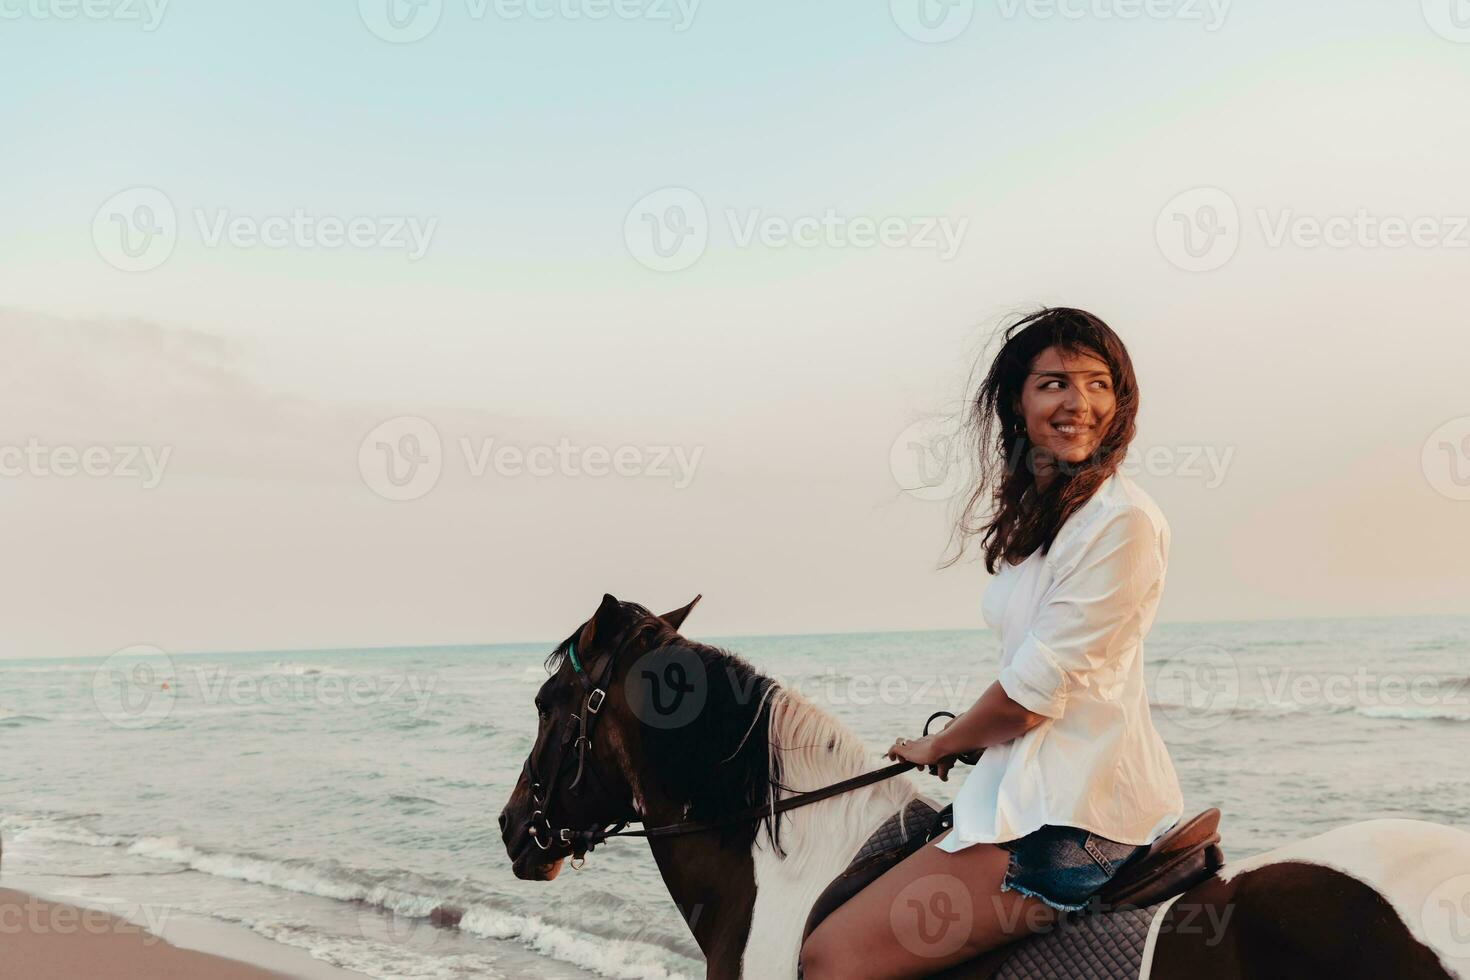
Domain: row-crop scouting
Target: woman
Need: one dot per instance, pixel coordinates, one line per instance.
(1074, 779)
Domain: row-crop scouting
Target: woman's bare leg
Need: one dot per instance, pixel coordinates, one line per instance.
(932, 910)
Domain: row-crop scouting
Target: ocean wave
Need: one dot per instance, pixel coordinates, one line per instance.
(615, 958)
(56, 669)
(301, 670)
(621, 958)
(15, 719)
(23, 830)
(476, 728)
(376, 959)
(1413, 713)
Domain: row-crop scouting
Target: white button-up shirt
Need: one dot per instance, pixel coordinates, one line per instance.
(1072, 624)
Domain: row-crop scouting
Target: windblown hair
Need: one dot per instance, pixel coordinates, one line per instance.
(1019, 518)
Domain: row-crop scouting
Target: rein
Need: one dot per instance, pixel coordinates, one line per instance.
(580, 740)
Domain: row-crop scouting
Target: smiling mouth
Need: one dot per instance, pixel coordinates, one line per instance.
(1073, 430)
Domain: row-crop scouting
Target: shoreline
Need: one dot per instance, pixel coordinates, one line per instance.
(45, 937)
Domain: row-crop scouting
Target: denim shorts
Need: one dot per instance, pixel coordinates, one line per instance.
(1064, 866)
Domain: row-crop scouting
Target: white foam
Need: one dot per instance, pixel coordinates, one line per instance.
(610, 957)
(1413, 713)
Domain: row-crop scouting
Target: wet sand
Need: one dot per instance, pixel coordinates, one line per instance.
(48, 940)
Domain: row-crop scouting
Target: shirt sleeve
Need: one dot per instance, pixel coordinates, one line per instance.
(1086, 612)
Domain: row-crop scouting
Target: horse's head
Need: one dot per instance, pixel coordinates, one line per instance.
(577, 777)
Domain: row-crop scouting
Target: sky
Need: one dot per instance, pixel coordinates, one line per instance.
(331, 325)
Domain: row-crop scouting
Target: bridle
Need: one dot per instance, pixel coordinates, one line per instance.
(578, 736)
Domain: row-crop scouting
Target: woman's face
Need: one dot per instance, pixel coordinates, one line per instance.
(1067, 402)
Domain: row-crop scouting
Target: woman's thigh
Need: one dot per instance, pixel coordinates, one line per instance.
(932, 910)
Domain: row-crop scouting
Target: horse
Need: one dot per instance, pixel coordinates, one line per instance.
(637, 723)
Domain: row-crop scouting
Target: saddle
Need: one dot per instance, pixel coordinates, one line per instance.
(1182, 858)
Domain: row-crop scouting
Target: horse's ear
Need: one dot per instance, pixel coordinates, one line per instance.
(603, 623)
(676, 618)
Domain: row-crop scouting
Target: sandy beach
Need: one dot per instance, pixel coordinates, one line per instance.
(48, 940)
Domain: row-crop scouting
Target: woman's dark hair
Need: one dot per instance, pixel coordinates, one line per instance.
(1023, 519)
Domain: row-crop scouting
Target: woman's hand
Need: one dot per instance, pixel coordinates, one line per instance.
(923, 752)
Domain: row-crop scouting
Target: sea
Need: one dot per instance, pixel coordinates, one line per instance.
(340, 801)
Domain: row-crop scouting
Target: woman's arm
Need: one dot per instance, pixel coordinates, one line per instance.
(993, 719)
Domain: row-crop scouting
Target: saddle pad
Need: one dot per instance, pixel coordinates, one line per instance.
(1086, 947)
(916, 819)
